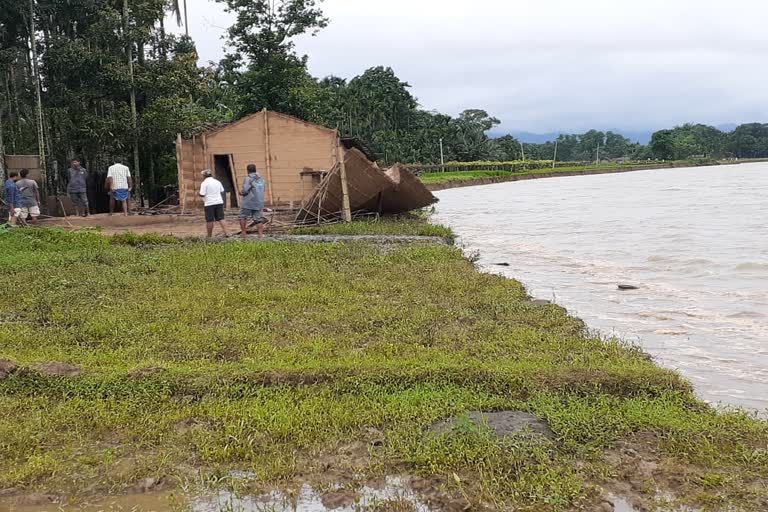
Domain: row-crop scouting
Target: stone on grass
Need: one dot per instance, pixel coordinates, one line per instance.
(501, 424)
(55, 369)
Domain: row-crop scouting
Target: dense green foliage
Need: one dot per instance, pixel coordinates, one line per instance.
(85, 84)
(280, 358)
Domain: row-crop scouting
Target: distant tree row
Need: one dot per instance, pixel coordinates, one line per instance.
(693, 140)
(100, 79)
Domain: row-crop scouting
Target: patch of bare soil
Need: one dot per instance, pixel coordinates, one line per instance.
(145, 373)
(646, 478)
(7, 368)
(182, 226)
(502, 423)
(56, 369)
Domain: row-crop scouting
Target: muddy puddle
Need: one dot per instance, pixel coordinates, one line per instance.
(621, 504)
(394, 494)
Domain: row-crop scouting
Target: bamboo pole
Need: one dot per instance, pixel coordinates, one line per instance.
(180, 172)
(346, 210)
(38, 95)
(268, 154)
(236, 192)
(134, 123)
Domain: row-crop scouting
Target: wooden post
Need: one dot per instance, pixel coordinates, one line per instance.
(206, 161)
(194, 170)
(234, 178)
(268, 153)
(347, 211)
(180, 172)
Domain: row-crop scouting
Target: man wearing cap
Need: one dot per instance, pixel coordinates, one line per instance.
(211, 190)
(253, 201)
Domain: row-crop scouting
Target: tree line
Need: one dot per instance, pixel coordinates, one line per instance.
(102, 79)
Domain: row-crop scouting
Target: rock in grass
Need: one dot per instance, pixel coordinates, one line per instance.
(7, 368)
(627, 287)
(501, 424)
(146, 485)
(55, 369)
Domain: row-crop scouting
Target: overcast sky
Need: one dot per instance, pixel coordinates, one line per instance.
(548, 65)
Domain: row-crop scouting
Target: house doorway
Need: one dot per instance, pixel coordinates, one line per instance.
(224, 172)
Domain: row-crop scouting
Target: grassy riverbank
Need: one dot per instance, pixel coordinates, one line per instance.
(329, 363)
(481, 176)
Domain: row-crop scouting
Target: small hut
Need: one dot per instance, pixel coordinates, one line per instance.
(297, 160)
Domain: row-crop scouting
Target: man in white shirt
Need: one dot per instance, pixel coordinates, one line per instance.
(119, 186)
(211, 190)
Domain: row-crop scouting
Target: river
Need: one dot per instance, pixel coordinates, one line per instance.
(695, 242)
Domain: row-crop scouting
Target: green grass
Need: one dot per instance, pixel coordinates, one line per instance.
(277, 357)
(447, 177)
(414, 225)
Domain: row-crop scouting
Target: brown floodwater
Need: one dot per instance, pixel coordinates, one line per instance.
(694, 241)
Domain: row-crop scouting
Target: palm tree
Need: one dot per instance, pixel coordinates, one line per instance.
(176, 9)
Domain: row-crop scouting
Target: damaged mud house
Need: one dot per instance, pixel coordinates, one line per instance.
(305, 166)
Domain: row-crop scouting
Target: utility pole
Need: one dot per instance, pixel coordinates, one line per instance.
(522, 150)
(598, 155)
(554, 160)
(442, 156)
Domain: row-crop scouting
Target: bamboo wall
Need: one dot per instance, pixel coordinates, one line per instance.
(281, 147)
(191, 160)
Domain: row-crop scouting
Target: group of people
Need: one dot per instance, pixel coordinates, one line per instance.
(22, 194)
(22, 197)
(251, 204)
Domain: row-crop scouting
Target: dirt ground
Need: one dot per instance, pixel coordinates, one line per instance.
(188, 225)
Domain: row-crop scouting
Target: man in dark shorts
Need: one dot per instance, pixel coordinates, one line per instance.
(78, 188)
(211, 190)
(252, 203)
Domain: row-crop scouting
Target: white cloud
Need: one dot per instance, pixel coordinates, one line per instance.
(544, 65)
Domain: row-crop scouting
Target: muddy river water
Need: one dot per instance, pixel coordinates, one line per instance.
(695, 242)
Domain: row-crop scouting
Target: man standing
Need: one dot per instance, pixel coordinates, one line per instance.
(253, 201)
(78, 188)
(30, 197)
(119, 186)
(12, 196)
(211, 191)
